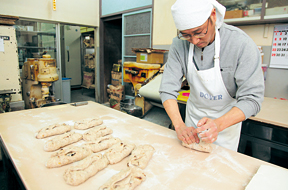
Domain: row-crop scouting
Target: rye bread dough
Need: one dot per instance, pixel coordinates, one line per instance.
(141, 155)
(118, 152)
(126, 179)
(61, 141)
(67, 155)
(95, 133)
(85, 169)
(102, 143)
(51, 130)
(88, 123)
(202, 146)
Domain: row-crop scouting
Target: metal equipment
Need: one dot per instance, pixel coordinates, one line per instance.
(10, 89)
(38, 77)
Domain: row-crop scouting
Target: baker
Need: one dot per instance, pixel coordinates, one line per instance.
(223, 67)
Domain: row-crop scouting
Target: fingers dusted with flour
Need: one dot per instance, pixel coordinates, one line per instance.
(207, 129)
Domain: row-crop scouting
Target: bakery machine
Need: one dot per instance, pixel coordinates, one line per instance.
(139, 73)
(10, 82)
(38, 77)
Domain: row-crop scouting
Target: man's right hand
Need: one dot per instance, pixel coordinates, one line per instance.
(186, 134)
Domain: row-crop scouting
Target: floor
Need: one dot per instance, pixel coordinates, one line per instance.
(155, 115)
(82, 94)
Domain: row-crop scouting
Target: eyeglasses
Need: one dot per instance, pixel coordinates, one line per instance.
(189, 36)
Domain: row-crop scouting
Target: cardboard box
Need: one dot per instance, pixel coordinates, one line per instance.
(233, 14)
(248, 13)
(149, 55)
(149, 58)
(276, 11)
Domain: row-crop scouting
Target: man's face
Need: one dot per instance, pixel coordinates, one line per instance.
(208, 27)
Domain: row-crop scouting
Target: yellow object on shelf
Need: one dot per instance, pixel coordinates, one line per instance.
(138, 72)
(183, 95)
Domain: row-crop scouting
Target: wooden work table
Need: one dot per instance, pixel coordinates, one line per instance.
(171, 167)
(273, 111)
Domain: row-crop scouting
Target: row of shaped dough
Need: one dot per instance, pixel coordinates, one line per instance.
(72, 137)
(57, 129)
(92, 163)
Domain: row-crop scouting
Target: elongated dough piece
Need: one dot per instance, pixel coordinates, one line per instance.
(88, 123)
(126, 179)
(202, 146)
(141, 155)
(61, 141)
(102, 143)
(95, 133)
(118, 152)
(67, 155)
(85, 169)
(51, 130)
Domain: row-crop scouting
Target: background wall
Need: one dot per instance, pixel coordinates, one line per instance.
(84, 12)
(164, 30)
(276, 84)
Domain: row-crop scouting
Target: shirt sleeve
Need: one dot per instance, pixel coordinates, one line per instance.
(173, 73)
(249, 79)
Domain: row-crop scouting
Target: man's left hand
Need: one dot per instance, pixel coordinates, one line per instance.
(207, 129)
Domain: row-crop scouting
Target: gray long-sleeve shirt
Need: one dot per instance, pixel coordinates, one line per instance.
(240, 64)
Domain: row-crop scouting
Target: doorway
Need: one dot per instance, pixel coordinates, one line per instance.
(111, 44)
(78, 61)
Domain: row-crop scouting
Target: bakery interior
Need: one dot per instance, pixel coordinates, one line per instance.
(66, 61)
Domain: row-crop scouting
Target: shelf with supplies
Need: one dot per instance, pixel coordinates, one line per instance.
(88, 58)
(34, 39)
(240, 12)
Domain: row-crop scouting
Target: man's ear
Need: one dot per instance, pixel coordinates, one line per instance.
(213, 15)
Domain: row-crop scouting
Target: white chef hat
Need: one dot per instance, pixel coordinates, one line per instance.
(189, 14)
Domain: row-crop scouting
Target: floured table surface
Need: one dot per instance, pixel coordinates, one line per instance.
(172, 166)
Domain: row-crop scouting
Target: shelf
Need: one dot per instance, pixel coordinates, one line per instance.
(36, 32)
(257, 18)
(285, 16)
(276, 12)
(34, 47)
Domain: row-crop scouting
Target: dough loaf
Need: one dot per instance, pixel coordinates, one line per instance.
(118, 152)
(126, 179)
(67, 155)
(62, 140)
(88, 123)
(85, 169)
(51, 130)
(141, 156)
(95, 133)
(102, 143)
(202, 146)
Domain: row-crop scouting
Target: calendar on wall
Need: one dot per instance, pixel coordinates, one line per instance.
(279, 53)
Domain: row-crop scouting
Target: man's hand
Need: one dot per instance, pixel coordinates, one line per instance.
(186, 134)
(207, 129)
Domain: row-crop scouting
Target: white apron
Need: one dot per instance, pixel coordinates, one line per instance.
(210, 98)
